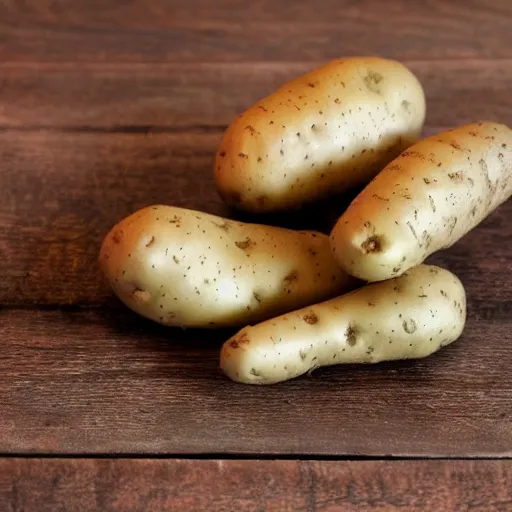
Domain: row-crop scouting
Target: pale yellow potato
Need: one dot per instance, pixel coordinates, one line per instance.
(187, 268)
(408, 317)
(321, 133)
(425, 200)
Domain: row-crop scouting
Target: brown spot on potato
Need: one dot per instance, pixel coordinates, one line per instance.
(238, 340)
(311, 84)
(291, 277)
(262, 108)
(150, 241)
(406, 105)
(456, 176)
(371, 245)
(372, 81)
(222, 154)
(310, 318)
(117, 237)
(244, 244)
(250, 129)
(175, 220)
(243, 155)
(351, 336)
(256, 296)
(409, 326)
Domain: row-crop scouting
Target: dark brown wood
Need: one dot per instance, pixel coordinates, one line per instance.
(204, 31)
(109, 106)
(104, 381)
(178, 96)
(61, 192)
(254, 486)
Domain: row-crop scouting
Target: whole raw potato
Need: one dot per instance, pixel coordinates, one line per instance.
(408, 317)
(325, 132)
(187, 268)
(425, 200)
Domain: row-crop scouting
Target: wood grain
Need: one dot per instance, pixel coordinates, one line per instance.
(180, 96)
(126, 485)
(104, 381)
(204, 31)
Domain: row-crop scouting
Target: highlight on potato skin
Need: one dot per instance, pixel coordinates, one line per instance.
(425, 200)
(407, 317)
(186, 268)
(322, 133)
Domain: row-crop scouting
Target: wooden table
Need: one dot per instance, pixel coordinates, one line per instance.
(110, 105)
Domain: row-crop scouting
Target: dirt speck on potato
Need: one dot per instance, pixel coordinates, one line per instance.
(238, 340)
(291, 277)
(244, 244)
(351, 336)
(372, 81)
(310, 318)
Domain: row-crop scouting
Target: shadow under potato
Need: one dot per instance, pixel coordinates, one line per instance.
(318, 216)
(193, 355)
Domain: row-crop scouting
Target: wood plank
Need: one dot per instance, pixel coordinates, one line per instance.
(104, 381)
(61, 192)
(173, 96)
(253, 486)
(200, 30)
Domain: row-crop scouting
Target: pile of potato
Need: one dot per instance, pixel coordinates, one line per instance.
(352, 122)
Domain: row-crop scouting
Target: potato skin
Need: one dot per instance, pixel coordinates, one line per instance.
(408, 317)
(321, 133)
(187, 268)
(425, 200)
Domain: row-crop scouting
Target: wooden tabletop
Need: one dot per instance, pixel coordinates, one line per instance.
(108, 106)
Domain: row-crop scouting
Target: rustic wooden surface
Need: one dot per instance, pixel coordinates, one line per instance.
(87, 485)
(108, 106)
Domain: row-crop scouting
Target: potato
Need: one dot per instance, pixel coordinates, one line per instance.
(408, 317)
(425, 200)
(325, 132)
(187, 268)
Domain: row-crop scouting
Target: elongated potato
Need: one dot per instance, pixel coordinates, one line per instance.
(408, 317)
(322, 133)
(425, 200)
(188, 268)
